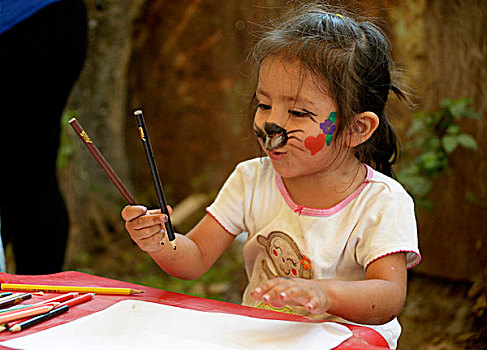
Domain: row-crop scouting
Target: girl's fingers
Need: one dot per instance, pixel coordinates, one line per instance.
(153, 211)
(152, 242)
(146, 221)
(147, 232)
(280, 292)
(131, 212)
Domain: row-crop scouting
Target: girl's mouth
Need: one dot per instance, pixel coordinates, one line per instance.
(276, 155)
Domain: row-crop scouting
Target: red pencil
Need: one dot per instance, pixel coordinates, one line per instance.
(58, 299)
(76, 301)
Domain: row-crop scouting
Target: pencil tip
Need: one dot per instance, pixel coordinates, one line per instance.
(15, 328)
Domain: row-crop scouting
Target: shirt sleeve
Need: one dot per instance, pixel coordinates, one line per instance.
(388, 226)
(228, 207)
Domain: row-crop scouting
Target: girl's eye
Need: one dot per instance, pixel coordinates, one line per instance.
(299, 114)
(305, 114)
(264, 107)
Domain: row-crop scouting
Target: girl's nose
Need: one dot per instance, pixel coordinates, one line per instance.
(277, 116)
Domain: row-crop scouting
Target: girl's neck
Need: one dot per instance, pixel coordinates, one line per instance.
(327, 189)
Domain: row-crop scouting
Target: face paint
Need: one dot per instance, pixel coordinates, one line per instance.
(329, 127)
(315, 144)
(275, 136)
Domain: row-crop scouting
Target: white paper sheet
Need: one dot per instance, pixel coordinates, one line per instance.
(132, 324)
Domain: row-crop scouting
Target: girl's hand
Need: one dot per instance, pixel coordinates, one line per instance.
(295, 291)
(146, 227)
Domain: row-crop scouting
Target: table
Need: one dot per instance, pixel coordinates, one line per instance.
(363, 338)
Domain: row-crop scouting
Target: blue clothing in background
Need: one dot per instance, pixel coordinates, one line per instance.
(42, 50)
(15, 11)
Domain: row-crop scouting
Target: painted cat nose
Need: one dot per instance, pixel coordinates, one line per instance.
(276, 136)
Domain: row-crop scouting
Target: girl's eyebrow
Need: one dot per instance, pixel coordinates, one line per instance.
(295, 99)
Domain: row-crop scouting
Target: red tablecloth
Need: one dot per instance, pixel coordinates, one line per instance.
(363, 338)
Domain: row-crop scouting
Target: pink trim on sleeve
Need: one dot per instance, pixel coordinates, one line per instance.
(410, 262)
(219, 223)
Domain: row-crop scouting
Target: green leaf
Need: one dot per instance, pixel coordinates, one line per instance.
(456, 107)
(449, 143)
(467, 141)
(453, 130)
(417, 127)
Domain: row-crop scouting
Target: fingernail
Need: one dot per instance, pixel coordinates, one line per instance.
(257, 290)
(282, 295)
(309, 306)
(266, 298)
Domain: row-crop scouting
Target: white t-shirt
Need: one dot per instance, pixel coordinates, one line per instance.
(289, 240)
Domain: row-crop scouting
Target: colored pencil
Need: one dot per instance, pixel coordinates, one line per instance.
(38, 319)
(144, 136)
(64, 289)
(72, 302)
(13, 301)
(59, 298)
(24, 308)
(27, 312)
(78, 300)
(5, 294)
(102, 161)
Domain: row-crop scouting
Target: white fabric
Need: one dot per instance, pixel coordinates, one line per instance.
(288, 240)
(142, 325)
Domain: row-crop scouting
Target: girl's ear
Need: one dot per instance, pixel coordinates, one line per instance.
(364, 126)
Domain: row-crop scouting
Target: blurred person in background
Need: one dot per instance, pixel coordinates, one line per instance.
(42, 51)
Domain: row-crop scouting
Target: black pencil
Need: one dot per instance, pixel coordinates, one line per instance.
(5, 294)
(15, 300)
(38, 319)
(144, 136)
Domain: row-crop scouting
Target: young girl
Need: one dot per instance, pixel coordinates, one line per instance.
(329, 237)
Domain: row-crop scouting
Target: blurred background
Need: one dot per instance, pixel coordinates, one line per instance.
(184, 63)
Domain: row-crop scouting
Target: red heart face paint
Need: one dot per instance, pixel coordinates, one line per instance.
(315, 144)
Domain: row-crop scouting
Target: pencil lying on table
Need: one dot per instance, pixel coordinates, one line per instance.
(102, 161)
(22, 324)
(27, 312)
(38, 319)
(144, 136)
(64, 289)
(15, 300)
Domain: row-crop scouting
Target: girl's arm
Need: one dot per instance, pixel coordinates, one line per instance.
(195, 252)
(376, 300)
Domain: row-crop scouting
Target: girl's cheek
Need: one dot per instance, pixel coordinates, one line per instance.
(324, 136)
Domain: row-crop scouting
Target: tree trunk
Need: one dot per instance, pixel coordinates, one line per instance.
(99, 101)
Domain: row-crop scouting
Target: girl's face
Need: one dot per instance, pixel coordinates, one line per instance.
(295, 121)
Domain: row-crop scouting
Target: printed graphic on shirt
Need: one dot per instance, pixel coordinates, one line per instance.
(286, 309)
(287, 261)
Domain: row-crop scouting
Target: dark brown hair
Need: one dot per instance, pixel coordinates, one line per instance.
(350, 59)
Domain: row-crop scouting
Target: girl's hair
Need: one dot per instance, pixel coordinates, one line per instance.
(349, 59)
